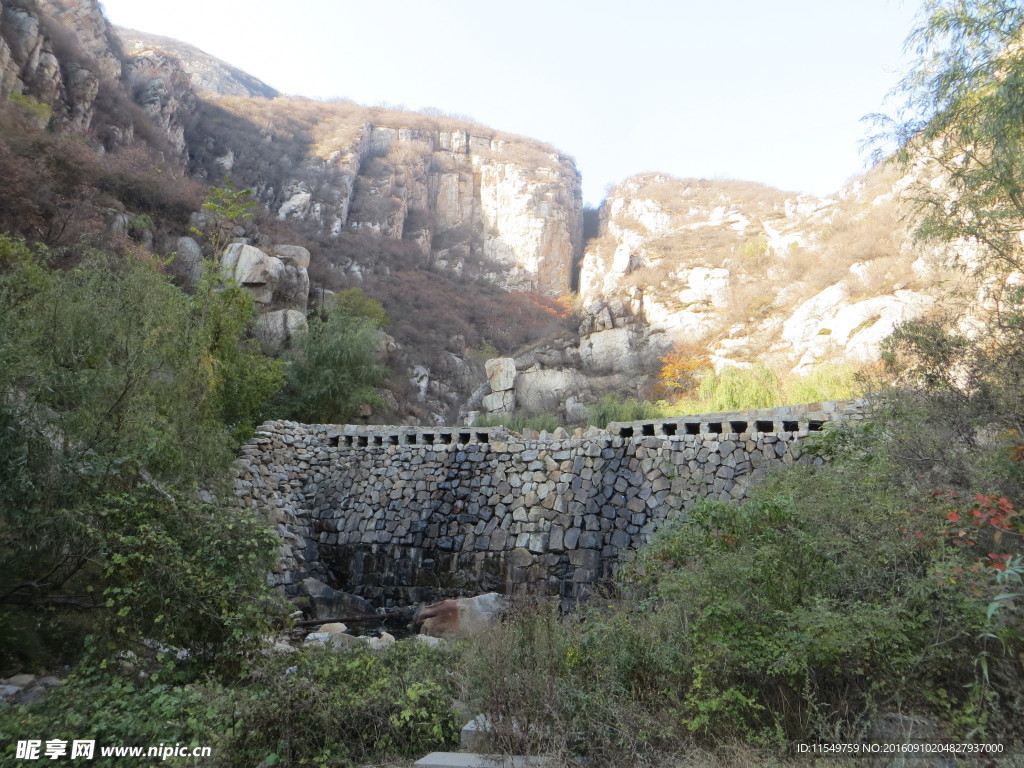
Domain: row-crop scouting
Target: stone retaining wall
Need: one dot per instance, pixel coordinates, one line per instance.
(403, 515)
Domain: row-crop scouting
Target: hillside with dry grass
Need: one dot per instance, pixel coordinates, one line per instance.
(754, 274)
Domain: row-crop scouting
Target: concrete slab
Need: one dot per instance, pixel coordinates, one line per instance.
(468, 760)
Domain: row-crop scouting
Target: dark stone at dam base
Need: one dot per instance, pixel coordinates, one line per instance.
(402, 515)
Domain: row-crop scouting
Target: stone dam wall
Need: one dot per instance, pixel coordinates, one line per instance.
(403, 515)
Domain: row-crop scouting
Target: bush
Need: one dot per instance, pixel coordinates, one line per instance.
(333, 368)
(614, 408)
(341, 709)
(114, 389)
(313, 707)
(520, 422)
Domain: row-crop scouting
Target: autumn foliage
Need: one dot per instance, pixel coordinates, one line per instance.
(681, 368)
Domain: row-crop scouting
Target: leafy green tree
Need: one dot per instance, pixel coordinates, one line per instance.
(226, 208)
(334, 368)
(960, 131)
(961, 115)
(119, 394)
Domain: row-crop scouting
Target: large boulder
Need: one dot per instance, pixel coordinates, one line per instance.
(188, 261)
(292, 254)
(275, 331)
(329, 603)
(501, 373)
(462, 616)
(252, 269)
(545, 390)
(269, 279)
(500, 402)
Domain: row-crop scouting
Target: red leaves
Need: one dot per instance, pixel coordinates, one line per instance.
(993, 521)
(998, 561)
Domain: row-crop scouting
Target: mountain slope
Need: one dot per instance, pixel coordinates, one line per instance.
(209, 75)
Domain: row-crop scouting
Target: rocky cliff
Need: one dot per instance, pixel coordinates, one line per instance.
(465, 198)
(65, 55)
(207, 74)
(748, 274)
(429, 212)
(752, 272)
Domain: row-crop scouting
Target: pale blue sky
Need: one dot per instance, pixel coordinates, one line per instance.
(748, 89)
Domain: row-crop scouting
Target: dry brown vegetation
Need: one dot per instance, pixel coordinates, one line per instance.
(679, 194)
(56, 186)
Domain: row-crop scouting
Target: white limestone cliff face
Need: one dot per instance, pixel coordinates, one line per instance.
(531, 221)
(507, 209)
(751, 273)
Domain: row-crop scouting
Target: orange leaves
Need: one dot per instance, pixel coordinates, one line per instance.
(681, 367)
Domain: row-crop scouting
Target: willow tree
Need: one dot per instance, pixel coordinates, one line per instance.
(962, 116)
(959, 133)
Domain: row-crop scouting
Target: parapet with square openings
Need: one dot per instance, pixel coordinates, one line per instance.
(787, 418)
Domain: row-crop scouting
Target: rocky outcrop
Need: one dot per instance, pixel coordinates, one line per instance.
(161, 87)
(32, 63)
(752, 273)
(276, 330)
(464, 198)
(63, 53)
(207, 74)
(271, 281)
(92, 32)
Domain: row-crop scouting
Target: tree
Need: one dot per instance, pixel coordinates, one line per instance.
(115, 394)
(962, 113)
(333, 368)
(960, 131)
(226, 208)
(681, 368)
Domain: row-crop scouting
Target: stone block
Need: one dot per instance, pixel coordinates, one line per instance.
(501, 373)
(585, 558)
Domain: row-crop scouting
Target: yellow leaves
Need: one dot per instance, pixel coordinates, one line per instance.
(682, 367)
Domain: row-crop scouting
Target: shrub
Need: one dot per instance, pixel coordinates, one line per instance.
(520, 422)
(615, 408)
(835, 381)
(342, 709)
(313, 707)
(682, 366)
(333, 368)
(114, 387)
(737, 388)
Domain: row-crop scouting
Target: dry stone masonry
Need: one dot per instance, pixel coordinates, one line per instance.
(407, 514)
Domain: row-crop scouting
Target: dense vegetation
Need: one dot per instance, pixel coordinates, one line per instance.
(842, 601)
